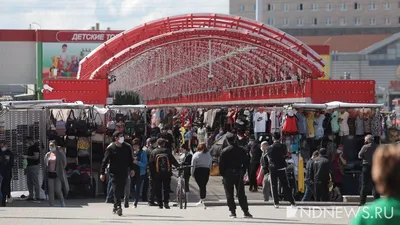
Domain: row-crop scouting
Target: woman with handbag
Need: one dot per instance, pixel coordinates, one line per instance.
(55, 162)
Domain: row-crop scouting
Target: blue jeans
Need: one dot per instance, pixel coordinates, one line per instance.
(136, 187)
(308, 193)
(110, 191)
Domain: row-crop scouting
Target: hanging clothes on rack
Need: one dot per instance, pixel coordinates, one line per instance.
(318, 125)
(359, 125)
(344, 126)
(274, 117)
(376, 124)
(290, 124)
(301, 122)
(310, 125)
(335, 122)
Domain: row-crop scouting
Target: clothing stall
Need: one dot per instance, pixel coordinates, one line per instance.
(72, 126)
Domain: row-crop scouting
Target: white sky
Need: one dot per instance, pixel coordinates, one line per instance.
(82, 14)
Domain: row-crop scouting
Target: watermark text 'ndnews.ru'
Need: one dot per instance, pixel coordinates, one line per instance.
(339, 212)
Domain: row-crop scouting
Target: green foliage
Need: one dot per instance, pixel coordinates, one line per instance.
(127, 98)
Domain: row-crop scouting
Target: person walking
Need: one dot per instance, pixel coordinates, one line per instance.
(265, 170)
(201, 165)
(385, 174)
(140, 160)
(232, 166)
(277, 153)
(119, 155)
(32, 169)
(321, 174)
(6, 165)
(55, 162)
(255, 158)
(308, 194)
(150, 173)
(366, 155)
(160, 162)
(185, 160)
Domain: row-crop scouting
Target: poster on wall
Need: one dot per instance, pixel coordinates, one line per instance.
(61, 60)
(62, 52)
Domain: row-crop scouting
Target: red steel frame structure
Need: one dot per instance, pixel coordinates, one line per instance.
(210, 55)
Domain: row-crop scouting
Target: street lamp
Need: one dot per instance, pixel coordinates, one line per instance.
(34, 23)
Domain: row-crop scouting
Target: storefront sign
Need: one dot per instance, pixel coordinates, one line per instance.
(90, 36)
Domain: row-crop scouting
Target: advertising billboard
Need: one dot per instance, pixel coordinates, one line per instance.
(62, 54)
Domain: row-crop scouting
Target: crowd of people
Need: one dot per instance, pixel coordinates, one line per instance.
(138, 172)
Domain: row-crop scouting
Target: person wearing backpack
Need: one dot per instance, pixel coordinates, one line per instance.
(160, 165)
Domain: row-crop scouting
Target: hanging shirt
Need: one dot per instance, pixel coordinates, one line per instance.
(335, 122)
(359, 126)
(274, 122)
(367, 125)
(376, 125)
(201, 135)
(352, 126)
(318, 126)
(344, 126)
(259, 120)
(310, 124)
(301, 123)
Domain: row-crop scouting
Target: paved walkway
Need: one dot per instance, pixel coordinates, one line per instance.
(83, 213)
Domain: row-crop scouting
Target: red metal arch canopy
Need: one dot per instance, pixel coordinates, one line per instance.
(148, 30)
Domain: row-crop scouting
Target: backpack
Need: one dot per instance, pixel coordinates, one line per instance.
(162, 163)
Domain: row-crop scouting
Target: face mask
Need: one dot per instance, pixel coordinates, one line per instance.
(251, 142)
(339, 151)
(3, 149)
(121, 140)
(52, 149)
(330, 138)
(169, 132)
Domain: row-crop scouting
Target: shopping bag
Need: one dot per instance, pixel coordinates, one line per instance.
(260, 176)
(246, 178)
(214, 170)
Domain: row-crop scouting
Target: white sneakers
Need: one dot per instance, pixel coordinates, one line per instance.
(201, 203)
(9, 200)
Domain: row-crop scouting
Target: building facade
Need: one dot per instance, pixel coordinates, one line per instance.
(289, 14)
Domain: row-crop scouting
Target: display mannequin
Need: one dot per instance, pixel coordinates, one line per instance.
(201, 134)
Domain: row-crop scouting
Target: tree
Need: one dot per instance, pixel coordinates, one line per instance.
(127, 98)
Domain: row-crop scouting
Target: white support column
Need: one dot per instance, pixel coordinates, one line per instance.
(259, 10)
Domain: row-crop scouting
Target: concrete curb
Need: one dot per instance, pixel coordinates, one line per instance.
(262, 203)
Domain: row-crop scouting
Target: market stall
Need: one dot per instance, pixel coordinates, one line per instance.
(19, 120)
(72, 126)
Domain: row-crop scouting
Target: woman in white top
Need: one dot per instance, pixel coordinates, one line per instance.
(55, 176)
(201, 165)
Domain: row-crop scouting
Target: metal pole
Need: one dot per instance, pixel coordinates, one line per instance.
(259, 9)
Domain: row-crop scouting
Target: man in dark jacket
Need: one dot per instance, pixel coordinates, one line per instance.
(32, 169)
(6, 165)
(160, 163)
(255, 157)
(320, 173)
(366, 154)
(150, 191)
(119, 157)
(277, 153)
(232, 165)
(308, 181)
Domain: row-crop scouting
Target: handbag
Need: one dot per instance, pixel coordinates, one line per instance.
(110, 124)
(51, 129)
(82, 125)
(60, 124)
(119, 117)
(71, 124)
(100, 129)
